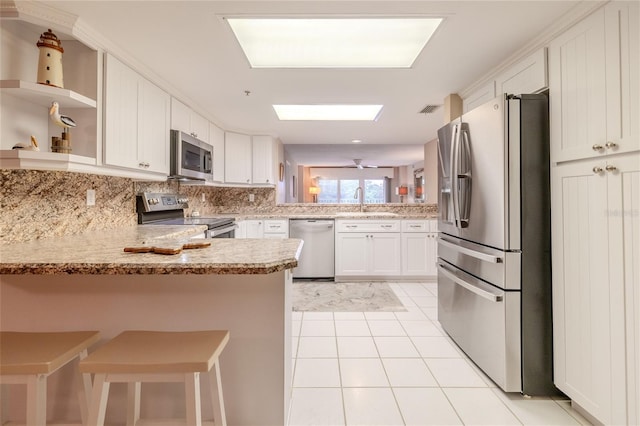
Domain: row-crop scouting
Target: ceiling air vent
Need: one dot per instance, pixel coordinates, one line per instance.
(429, 109)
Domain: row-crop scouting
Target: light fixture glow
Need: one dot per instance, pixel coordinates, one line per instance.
(356, 141)
(328, 112)
(333, 42)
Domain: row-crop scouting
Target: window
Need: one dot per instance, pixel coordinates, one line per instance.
(343, 191)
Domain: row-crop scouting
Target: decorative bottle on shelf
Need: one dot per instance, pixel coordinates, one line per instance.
(50, 60)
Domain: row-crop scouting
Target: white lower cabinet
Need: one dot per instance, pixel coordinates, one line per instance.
(419, 245)
(263, 228)
(276, 228)
(596, 284)
(368, 248)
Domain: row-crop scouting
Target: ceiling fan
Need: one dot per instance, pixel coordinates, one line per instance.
(358, 164)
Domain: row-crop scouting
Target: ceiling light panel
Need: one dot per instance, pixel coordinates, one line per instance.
(332, 42)
(328, 112)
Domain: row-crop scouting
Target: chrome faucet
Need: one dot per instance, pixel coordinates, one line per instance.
(359, 190)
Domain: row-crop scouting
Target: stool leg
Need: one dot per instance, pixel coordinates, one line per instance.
(192, 397)
(84, 387)
(37, 400)
(218, 406)
(99, 395)
(133, 403)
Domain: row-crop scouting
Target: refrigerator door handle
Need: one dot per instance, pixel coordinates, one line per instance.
(464, 177)
(455, 139)
(472, 288)
(481, 256)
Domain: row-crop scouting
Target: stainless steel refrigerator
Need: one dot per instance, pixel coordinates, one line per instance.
(494, 263)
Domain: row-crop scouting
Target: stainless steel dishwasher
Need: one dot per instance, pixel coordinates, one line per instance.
(317, 256)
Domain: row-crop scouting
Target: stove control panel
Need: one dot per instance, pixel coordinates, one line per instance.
(152, 201)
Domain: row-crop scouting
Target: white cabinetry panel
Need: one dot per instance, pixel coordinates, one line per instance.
(419, 245)
(479, 97)
(237, 154)
(594, 93)
(368, 248)
(185, 119)
(121, 114)
(264, 160)
(216, 138)
(593, 85)
(154, 118)
(136, 120)
(527, 76)
(595, 280)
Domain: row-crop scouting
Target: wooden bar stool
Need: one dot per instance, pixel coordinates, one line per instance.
(29, 358)
(157, 356)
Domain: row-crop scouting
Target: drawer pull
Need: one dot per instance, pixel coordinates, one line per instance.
(472, 288)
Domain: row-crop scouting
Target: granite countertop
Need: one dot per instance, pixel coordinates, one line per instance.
(350, 216)
(103, 253)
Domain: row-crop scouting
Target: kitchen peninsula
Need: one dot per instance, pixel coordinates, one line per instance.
(88, 282)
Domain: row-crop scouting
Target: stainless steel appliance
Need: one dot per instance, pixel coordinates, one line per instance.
(317, 257)
(191, 158)
(168, 209)
(494, 266)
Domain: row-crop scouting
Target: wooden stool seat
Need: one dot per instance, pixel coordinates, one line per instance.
(27, 357)
(157, 356)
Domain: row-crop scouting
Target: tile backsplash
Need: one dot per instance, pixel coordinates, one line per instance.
(44, 204)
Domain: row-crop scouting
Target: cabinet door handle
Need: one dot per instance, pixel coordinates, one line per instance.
(597, 170)
(611, 145)
(597, 147)
(611, 168)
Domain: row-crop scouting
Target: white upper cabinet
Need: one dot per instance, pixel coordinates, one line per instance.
(527, 76)
(187, 120)
(480, 96)
(216, 139)
(237, 154)
(136, 126)
(153, 126)
(264, 162)
(593, 85)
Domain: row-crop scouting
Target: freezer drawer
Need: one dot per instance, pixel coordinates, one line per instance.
(484, 321)
(500, 268)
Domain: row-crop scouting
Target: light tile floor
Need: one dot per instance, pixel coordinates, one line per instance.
(400, 368)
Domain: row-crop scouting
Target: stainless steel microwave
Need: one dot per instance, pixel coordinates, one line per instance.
(191, 158)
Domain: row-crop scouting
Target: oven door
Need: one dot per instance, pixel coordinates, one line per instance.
(484, 321)
(227, 231)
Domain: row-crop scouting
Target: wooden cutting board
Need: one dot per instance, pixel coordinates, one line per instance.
(167, 248)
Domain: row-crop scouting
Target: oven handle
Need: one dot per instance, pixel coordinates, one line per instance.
(215, 232)
(472, 288)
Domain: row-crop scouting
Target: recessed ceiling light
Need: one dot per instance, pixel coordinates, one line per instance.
(333, 42)
(356, 140)
(328, 112)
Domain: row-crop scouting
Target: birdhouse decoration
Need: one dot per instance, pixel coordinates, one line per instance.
(50, 60)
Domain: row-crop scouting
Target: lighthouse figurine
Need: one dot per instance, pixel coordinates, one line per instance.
(50, 61)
